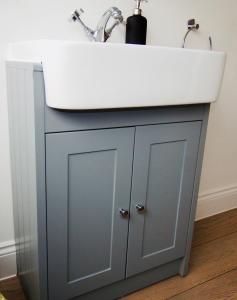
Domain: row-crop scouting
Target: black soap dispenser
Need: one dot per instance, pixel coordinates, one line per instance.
(136, 27)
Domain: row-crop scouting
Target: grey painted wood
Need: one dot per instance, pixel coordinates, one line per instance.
(13, 154)
(88, 181)
(132, 284)
(165, 160)
(185, 262)
(58, 121)
(40, 208)
(27, 154)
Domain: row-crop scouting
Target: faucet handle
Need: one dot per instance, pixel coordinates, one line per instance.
(75, 15)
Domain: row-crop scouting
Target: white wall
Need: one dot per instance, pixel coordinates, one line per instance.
(34, 19)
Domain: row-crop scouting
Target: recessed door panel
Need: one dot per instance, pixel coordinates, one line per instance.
(90, 212)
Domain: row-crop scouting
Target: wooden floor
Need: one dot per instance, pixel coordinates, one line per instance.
(213, 267)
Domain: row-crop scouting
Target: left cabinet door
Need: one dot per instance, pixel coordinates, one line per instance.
(88, 182)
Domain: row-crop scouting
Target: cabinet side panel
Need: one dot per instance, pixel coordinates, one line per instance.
(13, 137)
(23, 139)
(39, 103)
(185, 263)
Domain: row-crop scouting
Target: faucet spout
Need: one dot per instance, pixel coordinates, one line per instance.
(101, 33)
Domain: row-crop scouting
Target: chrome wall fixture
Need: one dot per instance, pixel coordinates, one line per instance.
(192, 27)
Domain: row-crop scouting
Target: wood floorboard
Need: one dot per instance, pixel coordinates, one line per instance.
(221, 288)
(215, 227)
(213, 267)
(11, 289)
(207, 262)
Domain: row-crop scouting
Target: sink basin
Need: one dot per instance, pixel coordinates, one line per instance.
(86, 75)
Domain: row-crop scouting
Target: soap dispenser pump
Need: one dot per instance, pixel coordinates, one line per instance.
(136, 27)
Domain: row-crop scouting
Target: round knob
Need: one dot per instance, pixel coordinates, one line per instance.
(140, 207)
(123, 212)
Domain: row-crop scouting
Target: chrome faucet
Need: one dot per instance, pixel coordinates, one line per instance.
(101, 33)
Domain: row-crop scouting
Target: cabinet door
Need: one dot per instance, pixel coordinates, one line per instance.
(163, 175)
(88, 182)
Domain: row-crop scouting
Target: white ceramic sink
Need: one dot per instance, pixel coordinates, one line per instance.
(81, 75)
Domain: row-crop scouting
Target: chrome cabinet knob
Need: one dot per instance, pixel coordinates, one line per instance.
(123, 212)
(140, 207)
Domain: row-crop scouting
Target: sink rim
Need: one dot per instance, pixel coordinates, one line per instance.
(110, 44)
(163, 57)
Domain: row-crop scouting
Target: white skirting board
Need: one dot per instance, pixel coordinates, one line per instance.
(216, 201)
(7, 260)
(209, 204)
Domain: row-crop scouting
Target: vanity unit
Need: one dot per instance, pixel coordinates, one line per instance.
(104, 199)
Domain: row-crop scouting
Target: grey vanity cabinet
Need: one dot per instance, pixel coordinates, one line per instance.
(88, 182)
(73, 172)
